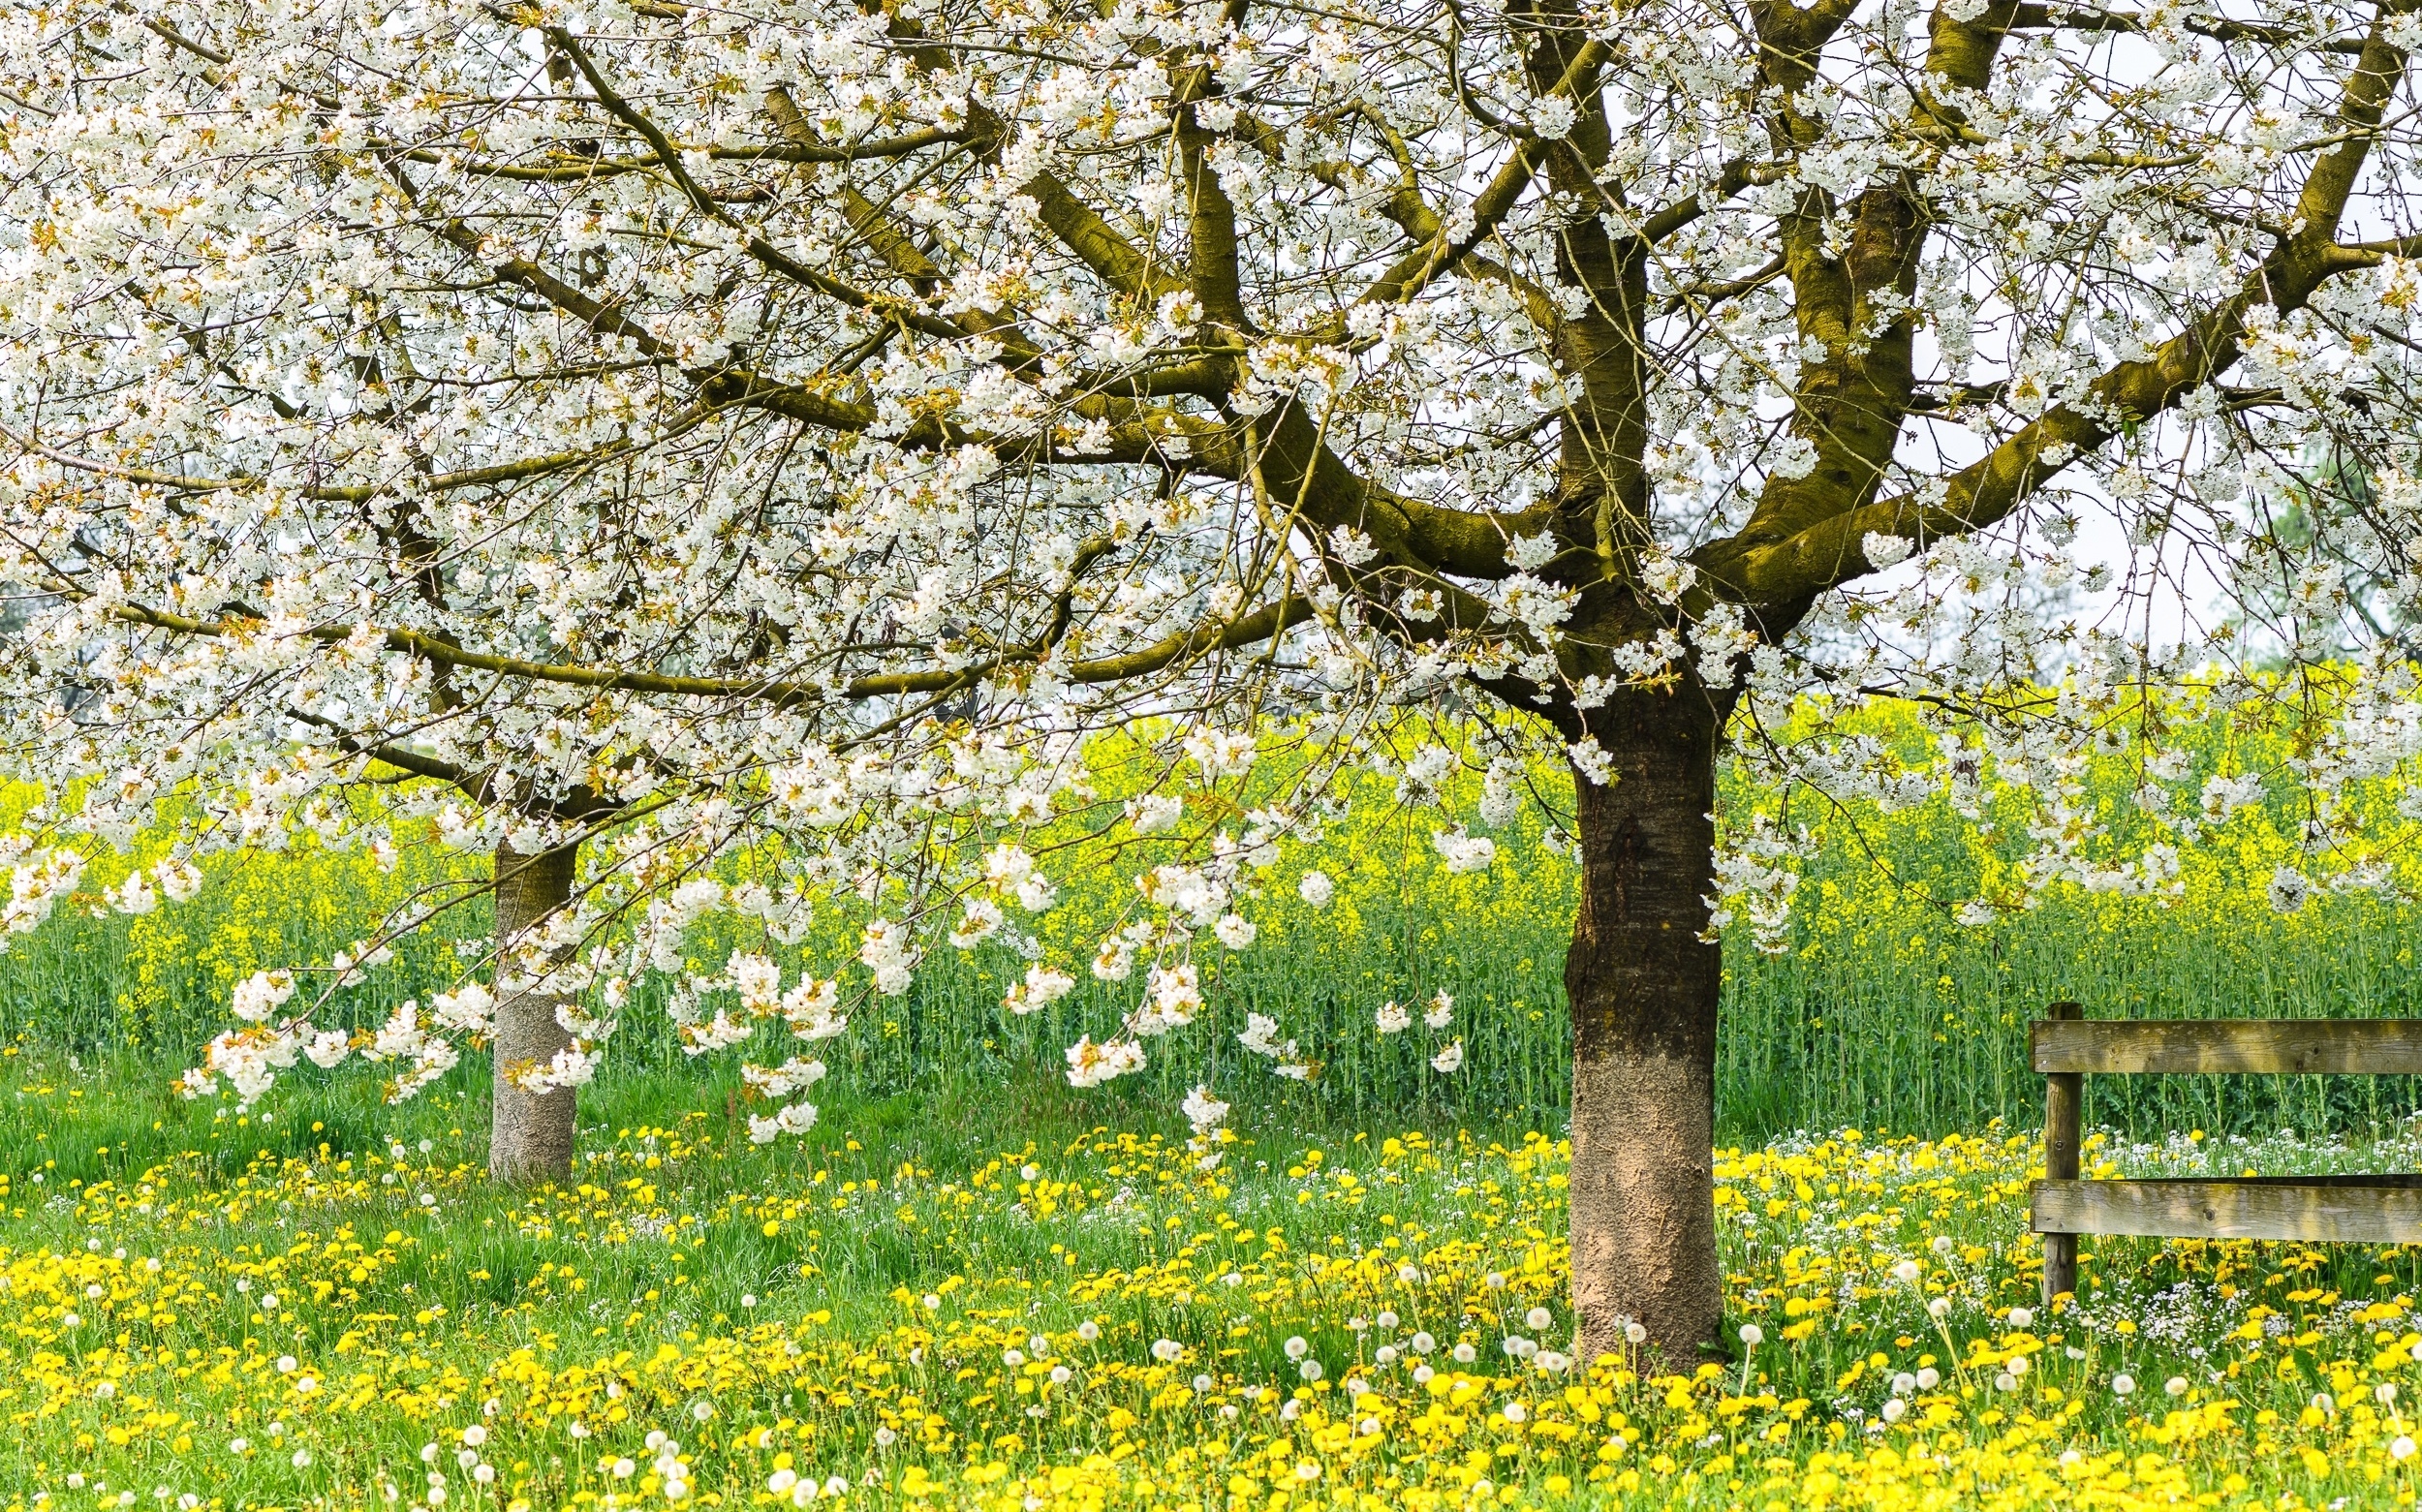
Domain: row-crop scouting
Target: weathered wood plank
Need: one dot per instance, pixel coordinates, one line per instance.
(2376, 1047)
(2384, 1209)
(2398, 1179)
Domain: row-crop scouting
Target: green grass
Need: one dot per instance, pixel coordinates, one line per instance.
(1885, 1014)
(466, 1296)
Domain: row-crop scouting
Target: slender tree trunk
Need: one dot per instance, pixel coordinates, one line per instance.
(1642, 987)
(530, 1136)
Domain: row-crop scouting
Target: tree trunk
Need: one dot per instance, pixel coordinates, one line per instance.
(1642, 987)
(530, 1136)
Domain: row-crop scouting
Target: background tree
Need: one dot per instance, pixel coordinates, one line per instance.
(2323, 528)
(689, 443)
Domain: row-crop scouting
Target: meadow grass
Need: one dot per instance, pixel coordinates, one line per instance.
(973, 1298)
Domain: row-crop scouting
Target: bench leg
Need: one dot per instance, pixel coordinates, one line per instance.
(2063, 1113)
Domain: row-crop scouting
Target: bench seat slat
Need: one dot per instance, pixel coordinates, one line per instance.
(2375, 1047)
(2384, 1209)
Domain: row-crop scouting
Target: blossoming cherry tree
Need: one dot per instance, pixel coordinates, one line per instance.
(725, 461)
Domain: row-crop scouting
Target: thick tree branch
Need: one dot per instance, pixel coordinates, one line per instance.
(1852, 295)
(522, 471)
(1734, 176)
(2082, 19)
(1830, 551)
(1213, 636)
(581, 170)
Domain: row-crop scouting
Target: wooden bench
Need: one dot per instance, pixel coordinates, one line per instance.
(2365, 1209)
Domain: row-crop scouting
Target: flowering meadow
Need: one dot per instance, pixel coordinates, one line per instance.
(970, 1286)
(993, 1304)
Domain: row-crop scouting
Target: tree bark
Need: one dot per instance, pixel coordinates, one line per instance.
(530, 1136)
(1642, 987)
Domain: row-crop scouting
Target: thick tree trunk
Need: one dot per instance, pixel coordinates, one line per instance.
(1642, 987)
(530, 1136)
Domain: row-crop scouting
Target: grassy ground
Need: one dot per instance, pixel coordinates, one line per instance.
(1028, 1301)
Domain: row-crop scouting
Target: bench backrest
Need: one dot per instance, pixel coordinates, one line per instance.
(2283, 1047)
(2066, 1048)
